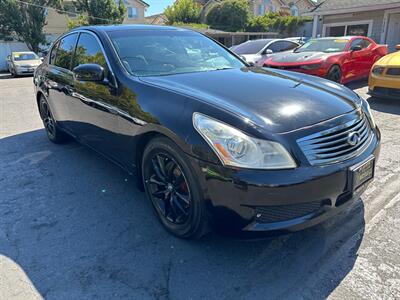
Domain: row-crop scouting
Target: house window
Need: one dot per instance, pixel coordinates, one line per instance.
(294, 10)
(362, 28)
(132, 12)
(336, 31)
(261, 9)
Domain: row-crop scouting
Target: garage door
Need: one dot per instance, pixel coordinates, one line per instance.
(393, 35)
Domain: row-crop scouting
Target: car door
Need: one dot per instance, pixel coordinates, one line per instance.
(59, 79)
(361, 59)
(278, 46)
(93, 103)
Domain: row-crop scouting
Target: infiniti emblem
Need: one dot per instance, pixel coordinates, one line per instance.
(353, 138)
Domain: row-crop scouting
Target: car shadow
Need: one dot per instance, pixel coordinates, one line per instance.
(79, 228)
(385, 105)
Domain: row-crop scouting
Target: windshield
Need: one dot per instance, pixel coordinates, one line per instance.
(250, 47)
(324, 45)
(25, 56)
(155, 53)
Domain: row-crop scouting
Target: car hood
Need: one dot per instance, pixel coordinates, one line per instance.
(293, 57)
(278, 101)
(31, 63)
(392, 59)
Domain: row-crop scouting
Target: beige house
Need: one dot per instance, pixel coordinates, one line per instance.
(261, 7)
(57, 22)
(158, 19)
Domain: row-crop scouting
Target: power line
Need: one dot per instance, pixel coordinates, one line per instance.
(61, 11)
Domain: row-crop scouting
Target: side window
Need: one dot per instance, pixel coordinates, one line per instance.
(282, 46)
(365, 43)
(53, 53)
(276, 47)
(288, 46)
(65, 51)
(360, 42)
(88, 51)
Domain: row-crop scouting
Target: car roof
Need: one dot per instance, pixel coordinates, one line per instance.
(22, 52)
(119, 27)
(345, 37)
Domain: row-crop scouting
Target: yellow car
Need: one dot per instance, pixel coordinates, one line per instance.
(384, 79)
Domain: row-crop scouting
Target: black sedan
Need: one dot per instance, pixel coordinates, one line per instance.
(212, 140)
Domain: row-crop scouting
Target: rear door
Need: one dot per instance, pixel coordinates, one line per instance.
(94, 103)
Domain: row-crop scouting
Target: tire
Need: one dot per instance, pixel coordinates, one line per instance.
(54, 133)
(335, 74)
(171, 186)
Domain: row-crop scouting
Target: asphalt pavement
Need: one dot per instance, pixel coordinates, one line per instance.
(74, 226)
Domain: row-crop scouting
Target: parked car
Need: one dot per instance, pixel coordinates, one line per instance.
(209, 145)
(299, 39)
(340, 59)
(384, 80)
(23, 63)
(254, 51)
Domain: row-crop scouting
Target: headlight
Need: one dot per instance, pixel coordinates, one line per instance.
(310, 67)
(234, 148)
(367, 111)
(378, 70)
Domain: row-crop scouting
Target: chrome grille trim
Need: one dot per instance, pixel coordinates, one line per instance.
(331, 146)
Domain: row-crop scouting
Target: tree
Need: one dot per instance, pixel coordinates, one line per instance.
(183, 11)
(26, 20)
(231, 15)
(94, 12)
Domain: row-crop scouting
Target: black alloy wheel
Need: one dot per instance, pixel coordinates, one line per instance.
(171, 187)
(53, 132)
(335, 74)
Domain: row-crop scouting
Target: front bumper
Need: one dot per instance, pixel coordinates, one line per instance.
(279, 200)
(25, 71)
(382, 86)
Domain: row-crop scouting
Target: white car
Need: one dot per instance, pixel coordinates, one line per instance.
(23, 63)
(256, 51)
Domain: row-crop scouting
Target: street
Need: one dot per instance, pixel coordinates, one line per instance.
(74, 226)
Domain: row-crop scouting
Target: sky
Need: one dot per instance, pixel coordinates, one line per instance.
(157, 6)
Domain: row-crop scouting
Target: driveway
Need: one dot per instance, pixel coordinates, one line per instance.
(74, 226)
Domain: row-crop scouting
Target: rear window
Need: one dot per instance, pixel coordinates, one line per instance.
(250, 47)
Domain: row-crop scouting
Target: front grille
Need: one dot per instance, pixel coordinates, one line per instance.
(279, 213)
(337, 144)
(393, 71)
(283, 67)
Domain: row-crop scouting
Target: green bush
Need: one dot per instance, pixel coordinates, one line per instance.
(229, 15)
(191, 25)
(274, 22)
(183, 11)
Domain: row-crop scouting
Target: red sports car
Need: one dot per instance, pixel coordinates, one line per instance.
(341, 59)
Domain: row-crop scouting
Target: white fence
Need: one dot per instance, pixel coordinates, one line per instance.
(6, 48)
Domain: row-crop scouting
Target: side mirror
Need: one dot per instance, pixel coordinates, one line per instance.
(42, 58)
(355, 48)
(269, 51)
(397, 47)
(89, 72)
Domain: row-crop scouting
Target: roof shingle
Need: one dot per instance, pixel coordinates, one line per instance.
(346, 4)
